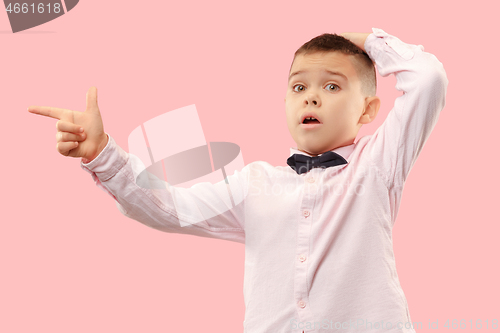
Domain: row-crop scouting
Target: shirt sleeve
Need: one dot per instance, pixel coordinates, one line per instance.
(205, 209)
(396, 144)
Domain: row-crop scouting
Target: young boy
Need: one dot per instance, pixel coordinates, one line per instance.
(317, 233)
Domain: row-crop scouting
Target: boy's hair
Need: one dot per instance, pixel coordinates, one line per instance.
(360, 60)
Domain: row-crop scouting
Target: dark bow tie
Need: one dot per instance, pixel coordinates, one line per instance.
(302, 163)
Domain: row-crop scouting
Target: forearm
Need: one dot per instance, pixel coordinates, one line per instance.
(200, 210)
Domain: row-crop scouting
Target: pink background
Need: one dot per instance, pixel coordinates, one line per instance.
(70, 262)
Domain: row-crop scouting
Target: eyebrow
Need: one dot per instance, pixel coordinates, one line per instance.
(325, 71)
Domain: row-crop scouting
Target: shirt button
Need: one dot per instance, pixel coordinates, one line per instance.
(302, 258)
(306, 213)
(302, 304)
(310, 180)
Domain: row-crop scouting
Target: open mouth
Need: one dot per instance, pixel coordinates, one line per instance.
(310, 120)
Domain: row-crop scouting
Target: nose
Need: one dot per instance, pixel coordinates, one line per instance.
(312, 99)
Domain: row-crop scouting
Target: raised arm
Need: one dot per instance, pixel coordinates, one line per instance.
(396, 144)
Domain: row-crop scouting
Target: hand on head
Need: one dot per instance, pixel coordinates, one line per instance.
(87, 143)
(357, 38)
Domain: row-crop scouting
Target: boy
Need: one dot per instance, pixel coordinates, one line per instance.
(317, 233)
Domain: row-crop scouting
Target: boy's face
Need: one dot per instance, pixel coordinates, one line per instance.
(335, 100)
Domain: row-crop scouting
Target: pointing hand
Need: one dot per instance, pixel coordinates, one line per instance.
(87, 143)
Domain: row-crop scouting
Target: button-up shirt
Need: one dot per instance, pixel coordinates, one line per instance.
(318, 246)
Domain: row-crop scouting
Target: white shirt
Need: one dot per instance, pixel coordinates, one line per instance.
(318, 246)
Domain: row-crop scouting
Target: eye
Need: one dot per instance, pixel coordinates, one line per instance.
(335, 87)
(298, 86)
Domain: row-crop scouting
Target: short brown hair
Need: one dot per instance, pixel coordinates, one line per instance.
(361, 61)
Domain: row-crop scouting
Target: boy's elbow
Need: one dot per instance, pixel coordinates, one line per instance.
(440, 83)
(440, 79)
(435, 76)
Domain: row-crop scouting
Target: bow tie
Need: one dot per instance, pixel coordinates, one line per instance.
(302, 163)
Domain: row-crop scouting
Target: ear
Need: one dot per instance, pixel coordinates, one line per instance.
(372, 105)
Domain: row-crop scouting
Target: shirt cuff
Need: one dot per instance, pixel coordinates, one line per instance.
(373, 45)
(109, 161)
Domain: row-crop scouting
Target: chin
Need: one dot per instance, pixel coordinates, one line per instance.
(310, 150)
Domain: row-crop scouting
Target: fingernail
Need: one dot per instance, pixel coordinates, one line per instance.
(81, 129)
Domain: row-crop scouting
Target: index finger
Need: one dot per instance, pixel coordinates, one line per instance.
(47, 111)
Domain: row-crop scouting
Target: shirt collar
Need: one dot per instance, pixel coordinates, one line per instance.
(344, 151)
